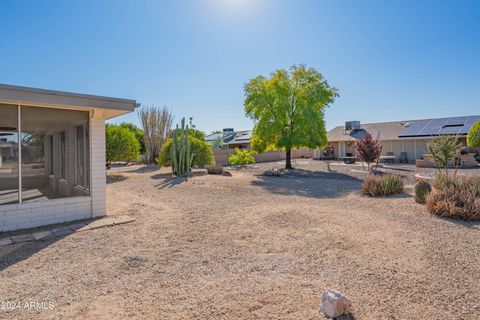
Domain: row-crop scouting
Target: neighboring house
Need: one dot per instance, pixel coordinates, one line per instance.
(58, 174)
(411, 137)
(231, 139)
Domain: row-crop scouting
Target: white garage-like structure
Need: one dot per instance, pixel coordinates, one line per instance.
(52, 155)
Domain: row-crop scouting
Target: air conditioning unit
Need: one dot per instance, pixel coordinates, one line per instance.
(352, 126)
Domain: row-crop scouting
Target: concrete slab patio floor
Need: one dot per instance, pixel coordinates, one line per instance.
(54, 231)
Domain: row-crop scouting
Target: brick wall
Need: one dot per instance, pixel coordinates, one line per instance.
(40, 213)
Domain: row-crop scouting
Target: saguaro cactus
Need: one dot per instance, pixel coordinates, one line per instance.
(180, 151)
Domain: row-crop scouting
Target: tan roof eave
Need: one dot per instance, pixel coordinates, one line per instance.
(40, 97)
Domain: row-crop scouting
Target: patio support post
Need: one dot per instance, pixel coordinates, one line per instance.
(19, 146)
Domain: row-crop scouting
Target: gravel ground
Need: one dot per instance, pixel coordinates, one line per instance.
(250, 247)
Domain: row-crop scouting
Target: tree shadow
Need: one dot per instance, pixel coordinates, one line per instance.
(114, 178)
(163, 176)
(314, 184)
(145, 169)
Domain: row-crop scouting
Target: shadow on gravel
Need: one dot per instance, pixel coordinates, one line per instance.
(314, 184)
(463, 223)
(163, 176)
(144, 169)
(171, 182)
(14, 253)
(115, 178)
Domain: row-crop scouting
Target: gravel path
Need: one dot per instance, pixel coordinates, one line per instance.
(250, 247)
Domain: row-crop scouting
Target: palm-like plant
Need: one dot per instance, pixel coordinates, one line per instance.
(444, 149)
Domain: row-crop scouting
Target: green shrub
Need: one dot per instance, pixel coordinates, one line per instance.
(422, 189)
(138, 134)
(120, 144)
(202, 153)
(382, 185)
(241, 157)
(455, 197)
(214, 170)
(473, 137)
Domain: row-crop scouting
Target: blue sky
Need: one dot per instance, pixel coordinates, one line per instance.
(390, 60)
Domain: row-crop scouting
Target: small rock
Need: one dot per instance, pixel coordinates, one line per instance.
(334, 304)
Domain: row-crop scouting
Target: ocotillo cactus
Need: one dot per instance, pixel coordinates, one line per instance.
(180, 151)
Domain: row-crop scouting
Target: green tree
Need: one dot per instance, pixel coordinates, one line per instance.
(444, 149)
(121, 144)
(202, 153)
(473, 137)
(288, 109)
(138, 134)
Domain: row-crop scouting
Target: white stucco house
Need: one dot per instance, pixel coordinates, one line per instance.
(52, 155)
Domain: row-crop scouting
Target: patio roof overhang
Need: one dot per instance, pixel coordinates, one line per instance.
(110, 107)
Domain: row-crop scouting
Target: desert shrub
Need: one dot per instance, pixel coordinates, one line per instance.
(274, 172)
(476, 185)
(422, 189)
(120, 144)
(241, 157)
(455, 197)
(202, 153)
(382, 185)
(214, 170)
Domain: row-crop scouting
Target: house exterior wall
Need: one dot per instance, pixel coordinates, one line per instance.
(98, 180)
(40, 213)
(415, 148)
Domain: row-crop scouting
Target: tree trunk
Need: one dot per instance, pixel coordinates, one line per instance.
(288, 159)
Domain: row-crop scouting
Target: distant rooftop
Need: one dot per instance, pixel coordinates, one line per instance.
(397, 130)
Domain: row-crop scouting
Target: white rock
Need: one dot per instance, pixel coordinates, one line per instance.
(334, 304)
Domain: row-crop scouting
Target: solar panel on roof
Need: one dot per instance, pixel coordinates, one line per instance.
(435, 127)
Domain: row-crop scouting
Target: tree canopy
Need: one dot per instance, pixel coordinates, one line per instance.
(138, 134)
(288, 109)
(121, 144)
(473, 137)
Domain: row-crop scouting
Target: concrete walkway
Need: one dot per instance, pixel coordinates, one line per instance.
(38, 234)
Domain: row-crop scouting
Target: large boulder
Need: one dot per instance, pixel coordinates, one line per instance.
(334, 304)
